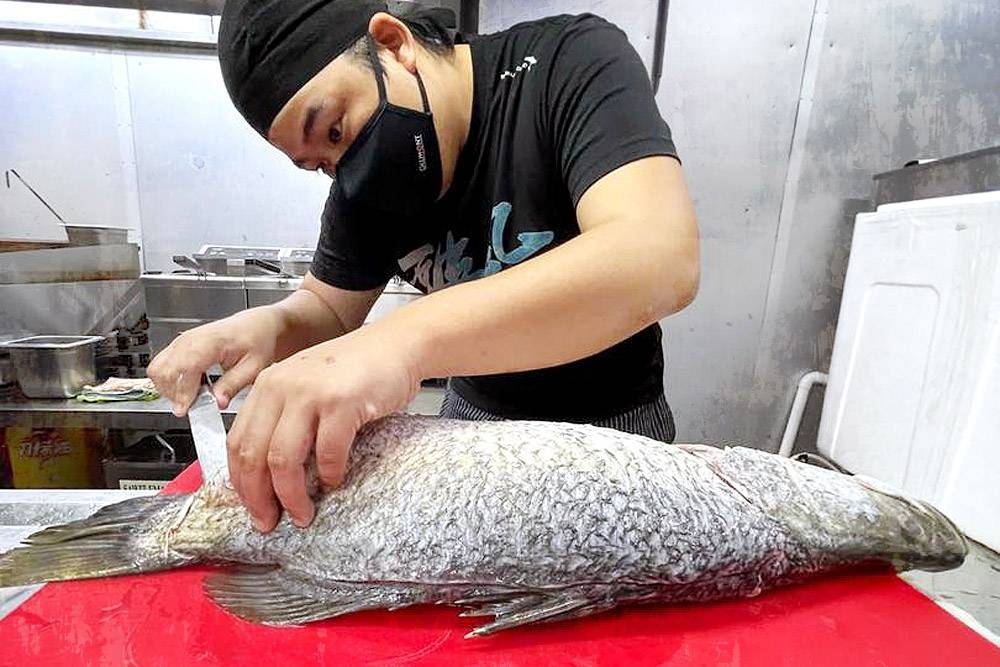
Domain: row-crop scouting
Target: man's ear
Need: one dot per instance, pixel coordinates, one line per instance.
(392, 36)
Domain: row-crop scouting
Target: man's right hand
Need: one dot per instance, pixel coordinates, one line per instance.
(243, 344)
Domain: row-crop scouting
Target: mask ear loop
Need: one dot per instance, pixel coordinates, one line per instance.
(377, 66)
(380, 76)
(423, 93)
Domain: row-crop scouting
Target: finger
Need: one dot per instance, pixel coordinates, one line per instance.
(247, 446)
(157, 366)
(334, 438)
(286, 457)
(165, 379)
(162, 367)
(187, 381)
(235, 379)
(179, 382)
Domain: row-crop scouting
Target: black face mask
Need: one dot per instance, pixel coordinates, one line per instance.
(394, 164)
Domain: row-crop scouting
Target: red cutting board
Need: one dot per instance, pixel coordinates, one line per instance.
(165, 619)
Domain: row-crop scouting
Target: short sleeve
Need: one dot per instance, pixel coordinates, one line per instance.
(600, 105)
(349, 254)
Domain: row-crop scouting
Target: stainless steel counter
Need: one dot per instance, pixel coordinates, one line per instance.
(140, 415)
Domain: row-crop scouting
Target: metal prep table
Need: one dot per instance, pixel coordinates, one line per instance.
(142, 415)
(220, 281)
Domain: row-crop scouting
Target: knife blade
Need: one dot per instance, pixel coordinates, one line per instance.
(209, 433)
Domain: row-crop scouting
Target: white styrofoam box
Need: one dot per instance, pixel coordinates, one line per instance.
(386, 303)
(396, 294)
(914, 391)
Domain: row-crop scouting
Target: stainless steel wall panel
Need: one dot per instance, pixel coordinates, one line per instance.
(730, 90)
(70, 309)
(976, 171)
(636, 17)
(779, 156)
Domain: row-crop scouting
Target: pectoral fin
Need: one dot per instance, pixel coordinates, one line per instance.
(276, 596)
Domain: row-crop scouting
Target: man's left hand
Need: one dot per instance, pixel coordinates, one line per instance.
(315, 400)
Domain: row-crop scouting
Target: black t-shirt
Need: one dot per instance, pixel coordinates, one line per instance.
(557, 104)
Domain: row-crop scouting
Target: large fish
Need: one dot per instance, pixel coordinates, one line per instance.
(521, 521)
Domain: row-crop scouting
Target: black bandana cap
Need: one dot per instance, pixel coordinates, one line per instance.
(269, 49)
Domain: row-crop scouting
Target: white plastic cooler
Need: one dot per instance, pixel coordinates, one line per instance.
(914, 390)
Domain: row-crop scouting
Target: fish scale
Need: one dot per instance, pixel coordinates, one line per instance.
(522, 521)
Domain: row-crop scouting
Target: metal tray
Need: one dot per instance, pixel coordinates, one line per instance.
(85, 235)
(54, 366)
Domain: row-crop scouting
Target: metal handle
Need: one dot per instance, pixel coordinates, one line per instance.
(37, 196)
(270, 267)
(659, 44)
(187, 263)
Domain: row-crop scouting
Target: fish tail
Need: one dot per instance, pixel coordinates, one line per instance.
(117, 539)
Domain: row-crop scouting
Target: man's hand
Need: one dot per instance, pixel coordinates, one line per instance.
(243, 345)
(315, 400)
(249, 341)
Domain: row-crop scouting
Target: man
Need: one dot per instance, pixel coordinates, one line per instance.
(524, 180)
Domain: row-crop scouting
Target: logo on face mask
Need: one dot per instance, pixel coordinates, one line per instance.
(421, 152)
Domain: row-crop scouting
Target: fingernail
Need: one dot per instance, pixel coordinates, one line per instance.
(258, 524)
(303, 522)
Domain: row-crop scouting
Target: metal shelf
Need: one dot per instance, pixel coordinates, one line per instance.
(140, 415)
(207, 7)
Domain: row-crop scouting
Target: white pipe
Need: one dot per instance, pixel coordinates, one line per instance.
(806, 383)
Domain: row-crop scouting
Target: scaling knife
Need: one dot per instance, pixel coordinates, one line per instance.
(209, 433)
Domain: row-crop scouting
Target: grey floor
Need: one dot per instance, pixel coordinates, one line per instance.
(970, 592)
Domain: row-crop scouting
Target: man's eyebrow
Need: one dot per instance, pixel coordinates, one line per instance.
(310, 121)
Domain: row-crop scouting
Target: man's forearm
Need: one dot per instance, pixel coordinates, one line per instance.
(305, 320)
(574, 301)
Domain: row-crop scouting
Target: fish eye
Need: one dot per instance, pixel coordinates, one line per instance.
(334, 134)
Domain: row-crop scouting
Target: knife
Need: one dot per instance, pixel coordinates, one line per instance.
(209, 433)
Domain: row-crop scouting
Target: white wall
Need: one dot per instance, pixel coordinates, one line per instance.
(203, 175)
(143, 137)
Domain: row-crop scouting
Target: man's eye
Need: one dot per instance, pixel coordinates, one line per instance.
(334, 134)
